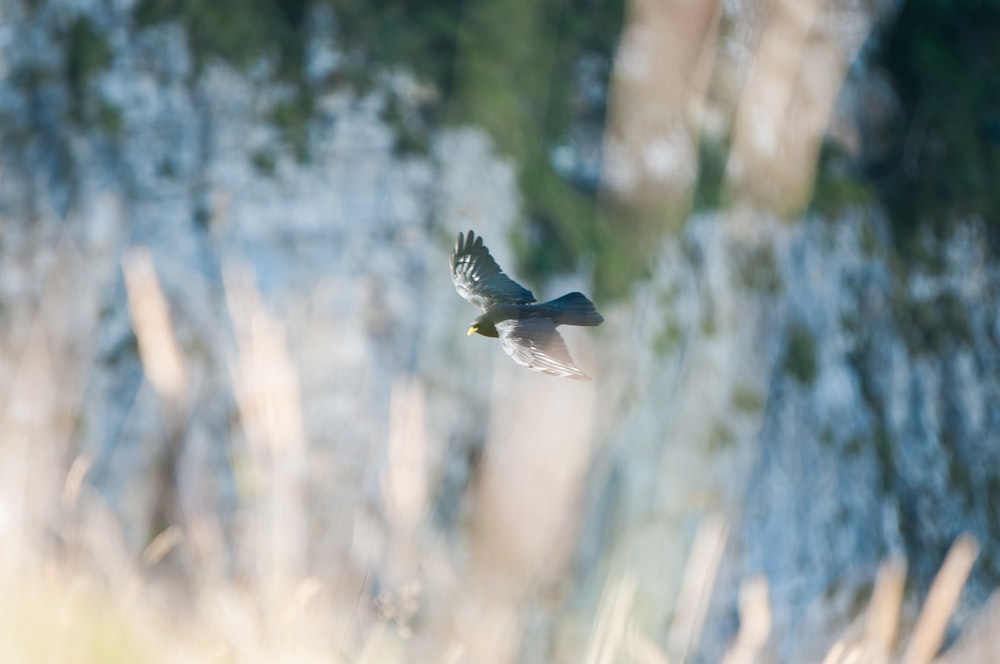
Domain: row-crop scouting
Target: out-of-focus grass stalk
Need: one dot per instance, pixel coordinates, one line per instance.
(941, 601)
(158, 349)
(642, 649)
(696, 586)
(883, 611)
(755, 622)
(612, 632)
(273, 488)
(110, 611)
(70, 590)
(608, 633)
(404, 480)
(404, 502)
(875, 643)
(164, 368)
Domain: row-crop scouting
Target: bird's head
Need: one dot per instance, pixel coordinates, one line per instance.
(483, 326)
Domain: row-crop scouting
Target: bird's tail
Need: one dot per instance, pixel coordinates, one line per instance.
(574, 309)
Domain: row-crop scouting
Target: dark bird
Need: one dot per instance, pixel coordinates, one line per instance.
(526, 328)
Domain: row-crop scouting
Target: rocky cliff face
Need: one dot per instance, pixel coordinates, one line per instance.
(836, 405)
(875, 439)
(349, 249)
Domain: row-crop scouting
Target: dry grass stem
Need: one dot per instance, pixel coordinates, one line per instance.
(642, 649)
(928, 633)
(755, 622)
(611, 623)
(165, 541)
(158, 349)
(404, 480)
(697, 582)
(267, 393)
(73, 483)
(883, 611)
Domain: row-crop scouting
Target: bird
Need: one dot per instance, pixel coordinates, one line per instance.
(526, 328)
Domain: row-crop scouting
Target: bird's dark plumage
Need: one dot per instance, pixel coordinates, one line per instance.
(479, 279)
(526, 328)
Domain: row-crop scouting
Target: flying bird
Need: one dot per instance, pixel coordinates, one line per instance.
(526, 328)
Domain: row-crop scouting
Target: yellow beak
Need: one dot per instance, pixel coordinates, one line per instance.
(472, 329)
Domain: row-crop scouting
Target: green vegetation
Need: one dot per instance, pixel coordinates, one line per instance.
(668, 339)
(928, 325)
(854, 445)
(511, 66)
(236, 31)
(757, 268)
(960, 479)
(372, 35)
(86, 55)
(264, 161)
(709, 318)
(869, 241)
(747, 399)
(885, 449)
(505, 65)
(292, 118)
(939, 156)
(720, 437)
(521, 89)
(410, 127)
(838, 184)
(800, 354)
(710, 188)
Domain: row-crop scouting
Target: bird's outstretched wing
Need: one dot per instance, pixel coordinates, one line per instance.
(535, 343)
(479, 279)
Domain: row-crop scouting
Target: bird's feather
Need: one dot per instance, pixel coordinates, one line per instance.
(535, 343)
(479, 279)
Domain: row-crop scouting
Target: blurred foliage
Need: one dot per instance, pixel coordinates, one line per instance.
(87, 54)
(422, 36)
(933, 325)
(941, 159)
(369, 34)
(509, 66)
(720, 437)
(48, 120)
(669, 338)
(801, 354)
(710, 191)
(756, 268)
(237, 31)
(748, 399)
(516, 75)
(514, 68)
(838, 184)
(240, 32)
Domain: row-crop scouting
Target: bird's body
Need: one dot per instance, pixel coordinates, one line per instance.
(526, 328)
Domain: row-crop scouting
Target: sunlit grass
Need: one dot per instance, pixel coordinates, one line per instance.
(76, 593)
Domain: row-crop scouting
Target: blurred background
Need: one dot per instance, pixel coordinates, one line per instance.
(241, 420)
